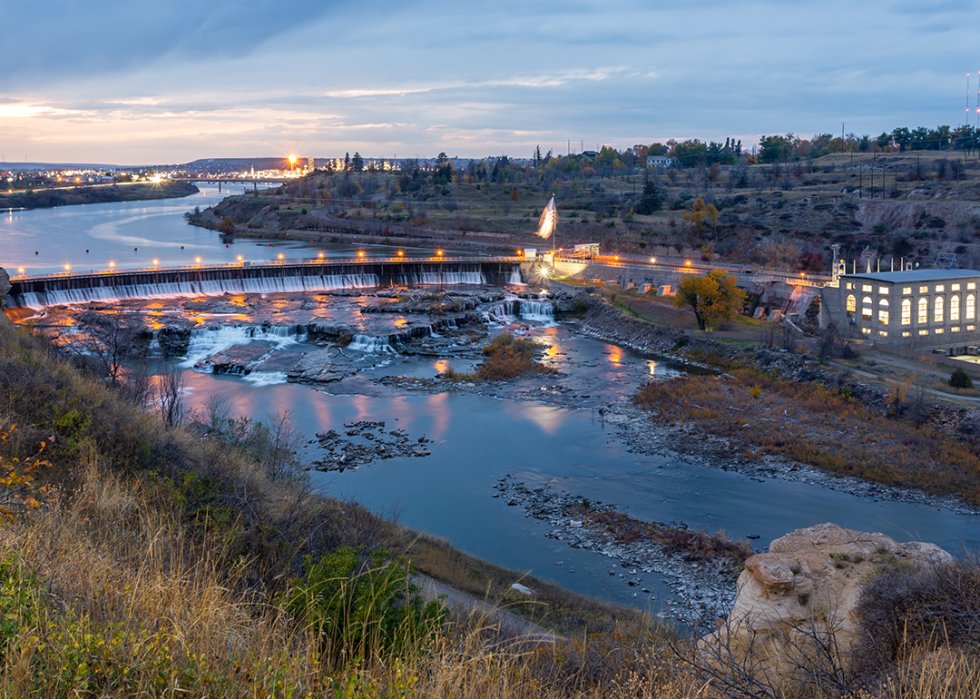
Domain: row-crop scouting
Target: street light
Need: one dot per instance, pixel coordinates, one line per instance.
(400, 253)
(653, 260)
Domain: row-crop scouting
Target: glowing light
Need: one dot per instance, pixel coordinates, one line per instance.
(400, 253)
(112, 265)
(280, 256)
(292, 160)
(688, 263)
(321, 255)
(156, 262)
(239, 258)
(20, 270)
(156, 179)
(439, 253)
(197, 260)
(616, 257)
(520, 252)
(68, 268)
(360, 253)
(653, 260)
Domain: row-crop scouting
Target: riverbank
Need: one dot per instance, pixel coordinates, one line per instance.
(76, 196)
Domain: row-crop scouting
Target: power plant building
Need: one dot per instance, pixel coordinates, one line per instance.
(922, 308)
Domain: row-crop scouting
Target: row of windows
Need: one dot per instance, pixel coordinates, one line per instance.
(922, 317)
(937, 331)
(907, 290)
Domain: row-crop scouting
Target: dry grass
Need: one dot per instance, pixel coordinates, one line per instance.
(807, 422)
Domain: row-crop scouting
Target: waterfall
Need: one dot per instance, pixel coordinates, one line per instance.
(205, 342)
(515, 276)
(371, 344)
(64, 290)
(541, 311)
(511, 310)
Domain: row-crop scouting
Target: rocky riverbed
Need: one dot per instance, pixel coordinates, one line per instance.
(367, 442)
(706, 589)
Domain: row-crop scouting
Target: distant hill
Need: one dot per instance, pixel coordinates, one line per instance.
(216, 165)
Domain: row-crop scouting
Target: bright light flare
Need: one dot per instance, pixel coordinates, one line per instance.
(439, 253)
(688, 263)
(360, 253)
(653, 260)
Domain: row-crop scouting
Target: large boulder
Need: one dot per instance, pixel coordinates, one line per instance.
(801, 595)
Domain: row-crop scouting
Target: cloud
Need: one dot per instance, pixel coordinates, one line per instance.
(325, 78)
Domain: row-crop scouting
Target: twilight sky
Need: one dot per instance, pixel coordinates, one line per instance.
(133, 82)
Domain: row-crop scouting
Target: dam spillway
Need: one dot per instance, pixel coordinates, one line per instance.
(317, 276)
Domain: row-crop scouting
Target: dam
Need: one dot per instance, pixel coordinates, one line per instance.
(289, 277)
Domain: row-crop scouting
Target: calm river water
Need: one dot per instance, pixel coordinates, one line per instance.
(478, 439)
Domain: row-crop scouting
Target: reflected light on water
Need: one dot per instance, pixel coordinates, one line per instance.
(440, 415)
(653, 367)
(548, 418)
(441, 366)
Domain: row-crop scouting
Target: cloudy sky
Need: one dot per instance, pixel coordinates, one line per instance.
(135, 82)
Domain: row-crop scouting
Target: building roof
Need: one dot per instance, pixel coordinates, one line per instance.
(917, 275)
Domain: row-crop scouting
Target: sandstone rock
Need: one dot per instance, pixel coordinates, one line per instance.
(806, 587)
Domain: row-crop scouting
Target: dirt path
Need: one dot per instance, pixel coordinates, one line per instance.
(460, 601)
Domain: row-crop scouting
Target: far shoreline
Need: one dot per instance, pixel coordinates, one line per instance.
(77, 196)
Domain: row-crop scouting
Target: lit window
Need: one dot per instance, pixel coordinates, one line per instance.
(923, 332)
(906, 311)
(940, 288)
(923, 289)
(849, 285)
(882, 333)
(882, 302)
(939, 331)
(866, 313)
(851, 303)
(955, 287)
(923, 310)
(883, 317)
(867, 300)
(867, 288)
(971, 327)
(954, 308)
(906, 334)
(971, 306)
(937, 311)
(971, 285)
(866, 331)
(882, 289)
(906, 289)
(955, 329)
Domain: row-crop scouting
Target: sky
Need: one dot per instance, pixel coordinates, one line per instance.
(133, 82)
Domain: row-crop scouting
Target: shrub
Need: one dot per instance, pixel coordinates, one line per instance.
(960, 379)
(361, 605)
(905, 607)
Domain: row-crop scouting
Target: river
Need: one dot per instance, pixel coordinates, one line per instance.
(545, 432)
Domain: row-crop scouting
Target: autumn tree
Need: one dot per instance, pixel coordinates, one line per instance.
(714, 297)
(702, 215)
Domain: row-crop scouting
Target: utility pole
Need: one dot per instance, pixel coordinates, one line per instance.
(842, 138)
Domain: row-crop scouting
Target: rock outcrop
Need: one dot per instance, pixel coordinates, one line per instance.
(804, 591)
(4, 283)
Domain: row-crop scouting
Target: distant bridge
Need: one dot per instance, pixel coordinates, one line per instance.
(311, 276)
